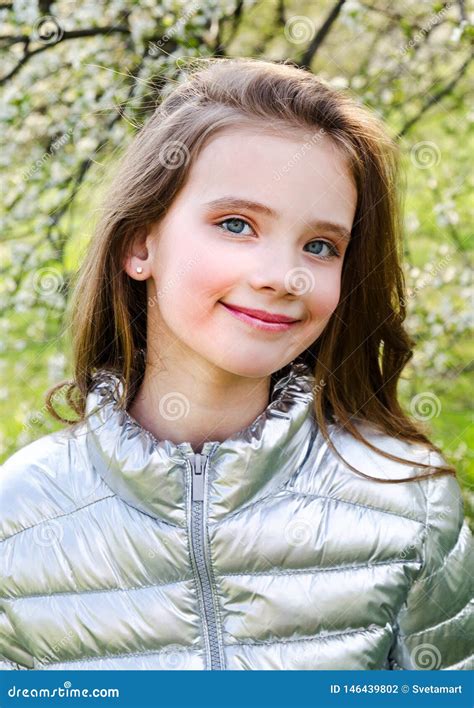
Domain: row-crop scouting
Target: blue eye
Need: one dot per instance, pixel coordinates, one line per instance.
(333, 252)
(235, 221)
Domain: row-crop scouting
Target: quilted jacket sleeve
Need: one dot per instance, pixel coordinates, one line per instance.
(435, 626)
(12, 655)
(17, 508)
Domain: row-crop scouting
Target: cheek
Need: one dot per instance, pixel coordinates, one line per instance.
(324, 297)
(210, 276)
(194, 286)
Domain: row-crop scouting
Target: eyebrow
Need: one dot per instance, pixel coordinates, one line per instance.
(235, 204)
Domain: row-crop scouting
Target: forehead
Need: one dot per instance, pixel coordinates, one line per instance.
(291, 170)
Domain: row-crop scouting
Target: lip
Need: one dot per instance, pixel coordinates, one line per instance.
(258, 323)
(262, 315)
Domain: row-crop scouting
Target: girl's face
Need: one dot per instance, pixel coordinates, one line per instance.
(262, 223)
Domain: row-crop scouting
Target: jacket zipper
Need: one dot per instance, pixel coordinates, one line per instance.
(198, 539)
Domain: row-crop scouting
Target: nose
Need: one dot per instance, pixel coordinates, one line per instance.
(276, 272)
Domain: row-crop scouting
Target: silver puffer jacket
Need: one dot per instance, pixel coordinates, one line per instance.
(265, 551)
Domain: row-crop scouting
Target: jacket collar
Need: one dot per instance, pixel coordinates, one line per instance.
(153, 475)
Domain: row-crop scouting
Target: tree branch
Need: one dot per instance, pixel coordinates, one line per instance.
(88, 162)
(216, 47)
(320, 36)
(435, 98)
(73, 34)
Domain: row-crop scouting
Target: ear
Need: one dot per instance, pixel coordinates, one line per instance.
(137, 262)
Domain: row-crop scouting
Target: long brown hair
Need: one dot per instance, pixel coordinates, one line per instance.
(361, 353)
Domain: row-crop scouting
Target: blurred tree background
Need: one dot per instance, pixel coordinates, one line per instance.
(79, 79)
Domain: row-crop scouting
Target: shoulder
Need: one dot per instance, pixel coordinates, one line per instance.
(45, 479)
(371, 461)
(447, 534)
(435, 502)
(44, 451)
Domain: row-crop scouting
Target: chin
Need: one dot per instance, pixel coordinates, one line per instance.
(250, 369)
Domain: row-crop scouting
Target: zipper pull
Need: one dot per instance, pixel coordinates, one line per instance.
(197, 469)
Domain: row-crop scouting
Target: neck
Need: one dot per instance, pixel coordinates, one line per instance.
(194, 405)
(151, 474)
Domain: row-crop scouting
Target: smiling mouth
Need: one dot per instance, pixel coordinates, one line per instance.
(258, 323)
(262, 314)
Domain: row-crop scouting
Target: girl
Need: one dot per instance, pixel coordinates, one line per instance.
(241, 489)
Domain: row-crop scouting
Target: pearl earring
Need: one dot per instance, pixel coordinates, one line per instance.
(139, 269)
